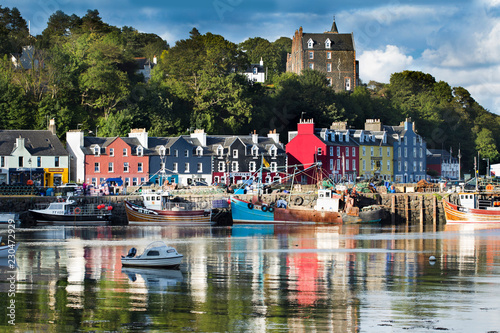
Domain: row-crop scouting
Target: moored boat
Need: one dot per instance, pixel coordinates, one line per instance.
(159, 208)
(70, 212)
(473, 207)
(156, 254)
(7, 250)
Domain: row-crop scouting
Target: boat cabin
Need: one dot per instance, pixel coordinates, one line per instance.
(155, 200)
(328, 200)
(489, 201)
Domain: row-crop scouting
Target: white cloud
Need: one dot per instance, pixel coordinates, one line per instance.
(378, 65)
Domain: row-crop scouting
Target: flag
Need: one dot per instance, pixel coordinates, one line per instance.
(266, 163)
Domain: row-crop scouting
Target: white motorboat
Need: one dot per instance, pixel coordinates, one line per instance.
(156, 254)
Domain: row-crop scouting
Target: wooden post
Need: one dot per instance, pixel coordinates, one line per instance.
(393, 209)
(421, 217)
(434, 213)
(407, 210)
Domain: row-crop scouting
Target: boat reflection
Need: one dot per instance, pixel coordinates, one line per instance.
(154, 279)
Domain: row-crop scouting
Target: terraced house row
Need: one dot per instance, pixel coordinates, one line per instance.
(392, 153)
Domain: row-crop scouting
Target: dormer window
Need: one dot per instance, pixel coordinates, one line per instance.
(255, 71)
(255, 151)
(310, 43)
(220, 151)
(139, 151)
(162, 151)
(97, 150)
(273, 151)
(328, 43)
(199, 151)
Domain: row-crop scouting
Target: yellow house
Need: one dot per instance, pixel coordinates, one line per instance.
(375, 151)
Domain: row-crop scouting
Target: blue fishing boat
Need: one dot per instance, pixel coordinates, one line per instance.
(245, 211)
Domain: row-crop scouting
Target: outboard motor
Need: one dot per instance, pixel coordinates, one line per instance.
(132, 252)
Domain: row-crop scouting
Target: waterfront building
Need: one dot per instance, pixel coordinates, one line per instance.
(409, 152)
(329, 52)
(375, 151)
(443, 163)
(236, 158)
(36, 156)
(334, 148)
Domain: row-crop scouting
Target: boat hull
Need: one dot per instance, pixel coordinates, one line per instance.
(458, 214)
(138, 215)
(6, 250)
(375, 215)
(152, 262)
(73, 219)
(306, 215)
(242, 213)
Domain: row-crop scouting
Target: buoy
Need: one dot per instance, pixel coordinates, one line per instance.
(432, 258)
(110, 207)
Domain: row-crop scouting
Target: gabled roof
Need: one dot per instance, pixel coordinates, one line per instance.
(38, 143)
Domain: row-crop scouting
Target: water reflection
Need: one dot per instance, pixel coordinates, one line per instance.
(258, 278)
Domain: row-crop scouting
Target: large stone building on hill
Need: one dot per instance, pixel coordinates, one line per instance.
(330, 52)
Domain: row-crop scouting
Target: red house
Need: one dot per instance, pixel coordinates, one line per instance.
(118, 157)
(335, 148)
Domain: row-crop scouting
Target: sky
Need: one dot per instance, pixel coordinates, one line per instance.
(455, 41)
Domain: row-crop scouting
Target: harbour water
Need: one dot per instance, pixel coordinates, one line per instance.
(353, 278)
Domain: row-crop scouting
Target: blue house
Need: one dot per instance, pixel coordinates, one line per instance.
(409, 152)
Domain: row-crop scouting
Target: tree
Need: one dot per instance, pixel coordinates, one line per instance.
(485, 145)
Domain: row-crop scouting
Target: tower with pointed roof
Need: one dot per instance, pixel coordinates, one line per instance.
(330, 52)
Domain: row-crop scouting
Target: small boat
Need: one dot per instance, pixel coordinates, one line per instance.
(473, 207)
(6, 250)
(156, 254)
(159, 208)
(326, 211)
(70, 212)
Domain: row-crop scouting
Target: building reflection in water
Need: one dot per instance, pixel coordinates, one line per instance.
(335, 278)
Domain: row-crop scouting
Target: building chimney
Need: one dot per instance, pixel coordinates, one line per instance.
(305, 127)
(373, 125)
(19, 142)
(261, 62)
(339, 125)
(255, 137)
(201, 136)
(155, 60)
(141, 135)
(274, 136)
(52, 126)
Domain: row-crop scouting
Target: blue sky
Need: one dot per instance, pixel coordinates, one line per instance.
(455, 41)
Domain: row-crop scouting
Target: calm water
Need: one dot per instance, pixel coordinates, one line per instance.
(256, 279)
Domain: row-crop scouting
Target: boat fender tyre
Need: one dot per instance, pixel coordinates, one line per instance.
(203, 205)
(299, 201)
(205, 213)
(264, 208)
(250, 205)
(270, 209)
(77, 210)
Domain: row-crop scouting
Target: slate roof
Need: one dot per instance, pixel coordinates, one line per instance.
(90, 141)
(339, 42)
(37, 142)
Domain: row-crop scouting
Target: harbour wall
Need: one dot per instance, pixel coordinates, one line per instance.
(402, 208)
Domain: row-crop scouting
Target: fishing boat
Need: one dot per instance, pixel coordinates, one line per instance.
(72, 212)
(325, 211)
(159, 208)
(156, 254)
(474, 207)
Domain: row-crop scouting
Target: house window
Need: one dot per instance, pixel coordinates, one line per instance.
(125, 167)
(406, 152)
(21, 161)
(234, 166)
(421, 166)
(414, 152)
(139, 151)
(329, 81)
(338, 164)
(331, 151)
(39, 162)
(328, 55)
(96, 167)
(420, 152)
(235, 153)
(388, 152)
(328, 67)
(353, 165)
(200, 167)
(110, 167)
(328, 43)
(319, 151)
(220, 151)
(252, 167)
(372, 164)
(222, 167)
(331, 164)
(255, 150)
(162, 151)
(134, 181)
(139, 167)
(347, 164)
(174, 167)
(310, 43)
(388, 165)
(353, 152)
(399, 165)
(347, 83)
(347, 151)
(414, 140)
(186, 153)
(311, 65)
(414, 166)
(406, 166)
(371, 151)
(199, 151)
(111, 152)
(274, 166)
(364, 165)
(96, 151)
(311, 55)
(176, 153)
(94, 181)
(364, 152)
(338, 151)
(380, 151)
(186, 167)
(56, 161)
(255, 71)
